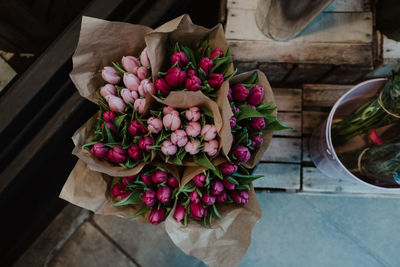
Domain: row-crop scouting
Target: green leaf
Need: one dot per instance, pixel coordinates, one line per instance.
(203, 160)
(127, 201)
(243, 137)
(218, 62)
(190, 55)
(202, 74)
(177, 48)
(210, 219)
(218, 173)
(110, 138)
(231, 75)
(175, 160)
(206, 112)
(118, 120)
(248, 112)
(232, 180)
(277, 126)
(141, 211)
(236, 174)
(243, 187)
(216, 212)
(120, 70)
(254, 78)
(88, 144)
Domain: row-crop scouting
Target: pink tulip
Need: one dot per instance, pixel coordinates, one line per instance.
(157, 215)
(172, 121)
(180, 213)
(168, 148)
(172, 182)
(228, 185)
(197, 211)
(194, 197)
(256, 95)
(99, 150)
(193, 83)
(240, 93)
(169, 109)
(211, 147)
(164, 194)
(137, 129)
(149, 197)
(257, 123)
(216, 52)
(193, 129)
(192, 147)
(175, 77)
(118, 190)
(108, 89)
(240, 196)
(159, 177)
(208, 199)
(142, 73)
(222, 197)
(179, 138)
(130, 64)
(129, 96)
(193, 114)
(144, 58)
(242, 153)
(146, 143)
(256, 141)
(216, 187)
(115, 103)
(110, 75)
(154, 125)
(199, 180)
(162, 86)
(146, 87)
(108, 116)
(180, 58)
(206, 64)
(131, 81)
(146, 179)
(191, 72)
(227, 168)
(209, 131)
(117, 154)
(215, 80)
(139, 105)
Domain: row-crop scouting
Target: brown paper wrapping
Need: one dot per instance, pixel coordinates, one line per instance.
(226, 113)
(268, 97)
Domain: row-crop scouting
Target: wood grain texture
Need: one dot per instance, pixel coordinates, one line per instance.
(276, 72)
(278, 176)
(283, 150)
(288, 99)
(322, 95)
(307, 73)
(312, 120)
(346, 74)
(293, 119)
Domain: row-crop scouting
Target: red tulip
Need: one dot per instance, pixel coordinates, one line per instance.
(240, 196)
(172, 182)
(157, 215)
(206, 64)
(199, 180)
(164, 194)
(146, 143)
(159, 177)
(162, 86)
(215, 80)
(175, 77)
(240, 93)
(135, 152)
(228, 168)
(117, 154)
(197, 211)
(99, 150)
(180, 213)
(208, 199)
(136, 128)
(193, 83)
(180, 58)
(216, 52)
(118, 190)
(149, 197)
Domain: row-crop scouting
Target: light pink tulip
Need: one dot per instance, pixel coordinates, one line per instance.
(193, 114)
(115, 103)
(130, 64)
(211, 147)
(209, 131)
(139, 104)
(154, 125)
(193, 129)
(142, 73)
(192, 147)
(168, 148)
(131, 81)
(129, 96)
(108, 89)
(146, 87)
(144, 58)
(172, 121)
(179, 138)
(169, 109)
(110, 75)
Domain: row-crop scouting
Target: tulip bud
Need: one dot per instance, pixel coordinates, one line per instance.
(222, 197)
(232, 122)
(235, 110)
(180, 58)
(191, 72)
(108, 116)
(154, 125)
(211, 147)
(216, 52)
(228, 185)
(240, 196)
(128, 180)
(209, 131)
(240, 93)
(118, 190)
(142, 73)
(193, 83)
(168, 148)
(115, 103)
(99, 150)
(117, 155)
(193, 114)
(130, 64)
(162, 86)
(208, 199)
(139, 105)
(146, 179)
(110, 75)
(193, 129)
(146, 87)
(159, 177)
(216, 187)
(110, 126)
(192, 147)
(199, 180)
(172, 121)
(157, 215)
(149, 197)
(215, 80)
(172, 182)
(179, 138)
(180, 213)
(230, 95)
(164, 194)
(242, 153)
(129, 96)
(108, 89)
(256, 141)
(194, 197)
(137, 129)
(135, 152)
(257, 123)
(227, 168)
(256, 95)
(206, 64)
(197, 211)
(169, 109)
(146, 143)
(175, 77)
(144, 58)
(131, 81)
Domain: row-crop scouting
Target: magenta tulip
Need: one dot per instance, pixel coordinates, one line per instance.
(256, 141)
(180, 58)
(175, 77)
(232, 122)
(216, 52)
(110, 126)
(230, 95)
(149, 197)
(240, 93)
(242, 153)
(99, 150)
(206, 64)
(108, 116)
(159, 177)
(193, 83)
(199, 180)
(257, 123)
(240, 196)
(128, 180)
(146, 143)
(197, 211)
(157, 215)
(256, 95)
(215, 80)
(164, 194)
(180, 213)
(228, 185)
(146, 179)
(194, 197)
(191, 72)
(117, 155)
(208, 199)
(162, 86)
(216, 187)
(137, 129)
(172, 182)
(118, 190)
(227, 168)
(222, 197)
(135, 152)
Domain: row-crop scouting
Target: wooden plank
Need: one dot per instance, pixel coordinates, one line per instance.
(307, 73)
(278, 176)
(288, 99)
(346, 74)
(283, 150)
(312, 120)
(306, 150)
(323, 95)
(292, 119)
(276, 72)
(245, 66)
(327, 27)
(7, 73)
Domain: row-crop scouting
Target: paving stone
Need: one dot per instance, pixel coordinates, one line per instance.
(149, 245)
(88, 247)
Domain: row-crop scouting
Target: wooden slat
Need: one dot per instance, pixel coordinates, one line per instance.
(278, 176)
(7, 73)
(245, 66)
(292, 119)
(312, 120)
(323, 95)
(306, 149)
(287, 99)
(307, 73)
(276, 72)
(346, 74)
(283, 150)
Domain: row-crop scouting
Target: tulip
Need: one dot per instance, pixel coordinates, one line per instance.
(146, 87)
(242, 153)
(252, 106)
(118, 190)
(216, 187)
(172, 121)
(168, 148)
(208, 199)
(199, 180)
(117, 154)
(154, 125)
(256, 141)
(192, 147)
(144, 58)
(137, 129)
(128, 180)
(125, 195)
(159, 177)
(228, 185)
(135, 152)
(215, 80)
(258, 123)
(139, 105)
(227, 168)
(197, 211)
(142, 73)
(180, 58)
(99, 150)
(146, 179)
(193, 114)
(110, 75)
(240, 93)
(162, 86)
(115, 103)
(110, 126)
(146, 143)
(256, 95)
(211, 147)
(179, 138)
(235, 110)
(175, 77)
(240, 196)
(209, 131)
(232, 122)
(108, 116)
(164, 194)
(193, 83)
(216, 52)
(129, 96)
(180, 213)
(230, 95)
(169, 109)
(108, 89)
(222, 197)
(191, 72)
(149, 197)
(193, 129)
(157, 215)
(131, 81)
(172, 182)
(194, 197)
(206, 64)
(130, 64)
